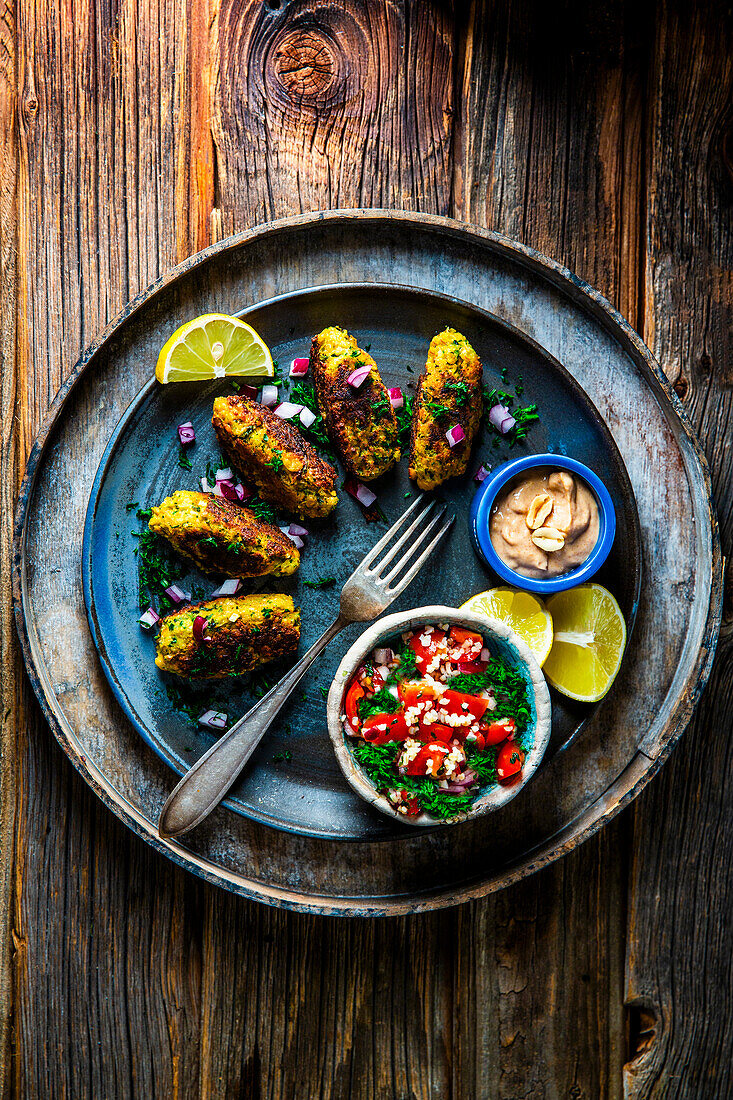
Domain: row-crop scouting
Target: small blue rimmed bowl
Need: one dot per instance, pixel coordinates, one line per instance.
(481, 513)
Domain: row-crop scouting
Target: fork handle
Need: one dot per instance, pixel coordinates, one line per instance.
(206, 783)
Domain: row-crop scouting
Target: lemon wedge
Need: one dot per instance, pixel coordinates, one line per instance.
(213, 346)
(590, 638)
(523, 612)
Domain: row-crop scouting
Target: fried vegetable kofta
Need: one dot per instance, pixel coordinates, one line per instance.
(273, 455)
(448, 394)
(360, 421)
(221, 537)
(227, 636)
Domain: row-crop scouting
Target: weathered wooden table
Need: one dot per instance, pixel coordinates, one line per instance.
(134, 135)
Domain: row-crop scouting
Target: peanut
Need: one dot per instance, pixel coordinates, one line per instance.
(548, 539)
(539, 510)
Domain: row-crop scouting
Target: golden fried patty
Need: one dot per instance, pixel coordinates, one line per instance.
(361, 423)
(274, 456)
(243, 633)
(448, 393)
(223, 537)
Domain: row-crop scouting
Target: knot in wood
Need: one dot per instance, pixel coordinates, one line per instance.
(306, 65)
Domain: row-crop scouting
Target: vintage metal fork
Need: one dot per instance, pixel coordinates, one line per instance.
(367, 593)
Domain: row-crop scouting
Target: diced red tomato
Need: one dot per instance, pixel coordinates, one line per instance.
(509, 762)
(460, 637)
(428, 761)
(380, 728)
(436, 731)
(498, 731)
(351, 703)
(469, 668)
(474, 704)
(478, 743)
(413, 692)
(425, 653)
(405, 802)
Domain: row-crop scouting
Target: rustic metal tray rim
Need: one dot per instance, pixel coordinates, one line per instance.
(637, 773)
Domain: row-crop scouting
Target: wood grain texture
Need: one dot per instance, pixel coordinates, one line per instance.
(143, 132)
(678, 969)
(10, 675)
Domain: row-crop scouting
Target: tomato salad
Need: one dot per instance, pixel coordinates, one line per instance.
(437, 720)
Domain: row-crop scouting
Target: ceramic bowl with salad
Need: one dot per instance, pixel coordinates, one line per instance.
(438, 715)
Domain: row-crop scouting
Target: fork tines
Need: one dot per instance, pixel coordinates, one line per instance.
(410, 539)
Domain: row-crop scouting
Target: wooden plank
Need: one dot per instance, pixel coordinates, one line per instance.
(678, 973)
(10, 679)
(107, 962)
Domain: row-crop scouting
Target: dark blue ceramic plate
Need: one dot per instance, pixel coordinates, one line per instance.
(294, 782)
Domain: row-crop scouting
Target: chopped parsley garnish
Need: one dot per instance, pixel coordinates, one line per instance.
(381, 406)
(322, 582)
(157, 569)
(276, 462)
(280, 756)
(382, 702)
(407, 668)
(438, 408)
(131, 506)
(525, 415)
(305, 395)
(461, 389)
(261, 509)
(508, 686)
(404, 420)
(378, 762)
(183, 460)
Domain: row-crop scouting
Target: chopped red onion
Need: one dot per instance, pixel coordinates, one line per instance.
(396, 397)
(358, 377)
(382, 670)
(177, 594)
(199, 629)
(213, 720)
(228, 588)
(363, 495)
(501, 418)
(205, 487)
(485, 655)
(186, 433)
(268, 396)
(242, 493)
(223, 475)
(481, 474)
(227, 489)
(296, 529)
(455, 435)
(307, 417)
(248, 391)
(293, 538)
(287, 410)
(150, 619)
(383, 656)
(298, 368)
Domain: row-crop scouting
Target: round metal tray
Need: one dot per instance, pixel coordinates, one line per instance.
(601, 768)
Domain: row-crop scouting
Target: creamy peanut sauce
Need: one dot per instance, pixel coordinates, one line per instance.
(545, 523)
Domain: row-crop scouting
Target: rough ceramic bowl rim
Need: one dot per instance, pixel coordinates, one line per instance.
(490, 489)
(495, 798)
